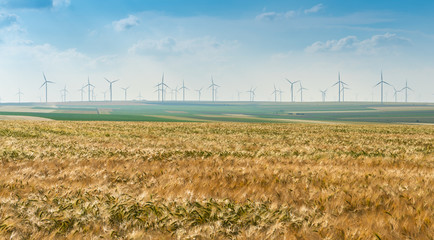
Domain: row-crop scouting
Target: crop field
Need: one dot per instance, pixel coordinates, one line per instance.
(269, 112)
(135, 180)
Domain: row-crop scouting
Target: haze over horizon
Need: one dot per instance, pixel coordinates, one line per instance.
(242, 44)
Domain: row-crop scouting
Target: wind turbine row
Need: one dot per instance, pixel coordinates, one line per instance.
(162, 90)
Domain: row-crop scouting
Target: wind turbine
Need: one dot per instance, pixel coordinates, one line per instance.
(280, 94)
(105, 93)
(111, 88)
(161, 87)
(343, 93)
(395, 93)
(158, 90)
(275, 93)
(125, 91)
(88, 85)
(19, 93)
(406, 88)
(176, 90)
(46, 87)
(199, 92)
(183, 88)
(301, 92)
(292, 88)
(239, 94)
(82, 92)
(140, 96)
(64, 91)
(340, 85)
(213, 86)
(382, 82)
(323, 94)
(252, 94)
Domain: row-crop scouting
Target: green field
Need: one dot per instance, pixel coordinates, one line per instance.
(226, 112)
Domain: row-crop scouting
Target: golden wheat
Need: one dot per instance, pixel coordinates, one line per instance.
(215, 181)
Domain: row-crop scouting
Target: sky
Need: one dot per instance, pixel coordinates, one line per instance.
(242, 45)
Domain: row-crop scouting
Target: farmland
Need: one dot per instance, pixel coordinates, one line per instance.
(414, 113)
(215, 180)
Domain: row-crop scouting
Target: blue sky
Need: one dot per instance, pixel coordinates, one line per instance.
(242, 44)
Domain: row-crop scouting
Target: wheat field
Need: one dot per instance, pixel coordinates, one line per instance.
(91, 180)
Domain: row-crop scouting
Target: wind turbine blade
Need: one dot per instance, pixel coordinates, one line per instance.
(44, 77)
(107, 80)
(377, 84)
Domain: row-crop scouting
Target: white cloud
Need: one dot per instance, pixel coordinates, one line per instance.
(126, 23)
(61, 3)
(172, 46)
(314, 9)
(367, 46)
(271, 16)
(7, 20)
(334, 45)
(267, 16)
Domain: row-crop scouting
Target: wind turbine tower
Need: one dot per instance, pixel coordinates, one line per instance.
(82, 92)
(406, 88)
(125, 92)
(239, 94)
(340, 86)
(111, 87)
(88, 85)
(323, 94)
(64, 91)
(275, 93)
(19, 93)
(252, 94)
(214, 89)
(46, 87)
(183, 88)
(382, 82)
(343, 93)
(161, 87)
(105, 93)
(280, 94)
(301, 91)
(292, 88)
(176, 90)
(199, 92)
(395, 93)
